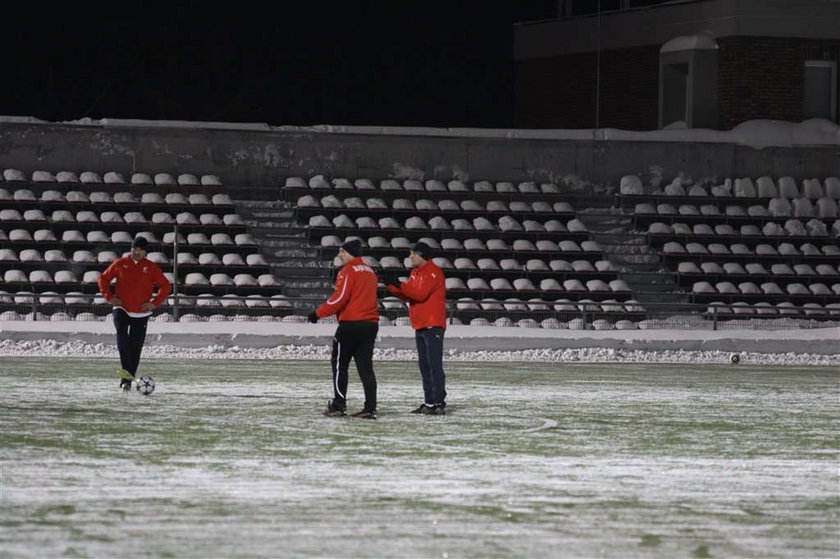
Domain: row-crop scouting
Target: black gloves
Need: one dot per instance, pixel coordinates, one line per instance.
(312, 317)
(389, 278)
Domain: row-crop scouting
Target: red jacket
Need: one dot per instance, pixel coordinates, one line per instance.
(425, 293)
(136, 283)
(354, 297)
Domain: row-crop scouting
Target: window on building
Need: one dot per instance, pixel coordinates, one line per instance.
(820, 90)
(674, 87)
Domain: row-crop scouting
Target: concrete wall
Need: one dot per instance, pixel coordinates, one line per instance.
(256, 155)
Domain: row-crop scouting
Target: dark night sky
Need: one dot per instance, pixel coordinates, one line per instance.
(374, 62)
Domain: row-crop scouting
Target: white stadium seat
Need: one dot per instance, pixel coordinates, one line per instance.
(209, 259)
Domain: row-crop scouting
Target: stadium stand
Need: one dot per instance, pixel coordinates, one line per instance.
(65, 228)
(761, 246)
(520, 253)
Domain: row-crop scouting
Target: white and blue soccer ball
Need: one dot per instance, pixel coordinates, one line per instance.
(144, 385)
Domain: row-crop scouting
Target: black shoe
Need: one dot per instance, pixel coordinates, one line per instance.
(125, 384)
(365, 414)
(334, 411)
(437, 409)
(419, 409)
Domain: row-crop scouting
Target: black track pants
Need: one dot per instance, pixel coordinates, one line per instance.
(131, 334)
(354, 340)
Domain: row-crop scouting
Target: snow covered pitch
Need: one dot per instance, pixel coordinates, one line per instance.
(233, 458)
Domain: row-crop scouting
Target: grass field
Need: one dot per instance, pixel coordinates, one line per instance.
(234, 459)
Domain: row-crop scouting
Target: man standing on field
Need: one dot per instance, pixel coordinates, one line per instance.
(354, 302)
(140, 287)
(425, 293)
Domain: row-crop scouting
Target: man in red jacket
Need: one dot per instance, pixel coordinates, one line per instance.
(354, 303)
(425, 293)
(140, 287)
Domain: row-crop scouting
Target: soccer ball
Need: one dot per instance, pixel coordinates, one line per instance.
(145, 385)
(735, 358)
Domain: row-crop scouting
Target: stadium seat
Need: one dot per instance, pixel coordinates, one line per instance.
(712, 268)
(474, 244)
(550, 284)
(196, 278)
(574, 285)
(597, 285)
(244, 239)
(221, 279)
(209, 259)
(582, 266)
(66, 177)
(827, 208)
(65, 276)
(103, 257)
(451, 244)
(454, 283)
(186, 218)
(536, 265)
(555, 226)
(619, 286)
(460, 224)
(688, 267)
(151, 198)
(560, 265)
(221, 199)
(400, 243)
(471, 206)
(198, 239)
(388, 223)
(734, 268)
(372, 203)
(766, 187)
(483, 224)
(111, 217)
(510, 264)
(232, 219)
(54, 255)
(267, 280)
(221, 239)
(40, 276)
(390, 185)
(803, 207)
(487, 264)
(44, 236)
(569, 246)
(125, 198)
(464, 263)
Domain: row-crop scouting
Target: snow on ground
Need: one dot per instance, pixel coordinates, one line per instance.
(77, 348)
(292, 341)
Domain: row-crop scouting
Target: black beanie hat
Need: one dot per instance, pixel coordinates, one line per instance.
(423, 250)
(353, 247)
(140, 242)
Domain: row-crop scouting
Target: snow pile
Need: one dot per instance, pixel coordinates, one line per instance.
(75, 348)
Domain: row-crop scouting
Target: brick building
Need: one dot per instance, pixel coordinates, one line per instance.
(647, 64)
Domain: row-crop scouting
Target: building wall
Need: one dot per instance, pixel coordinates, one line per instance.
(758, 78)
(561, 91)
(762, 77)
(265, 157)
